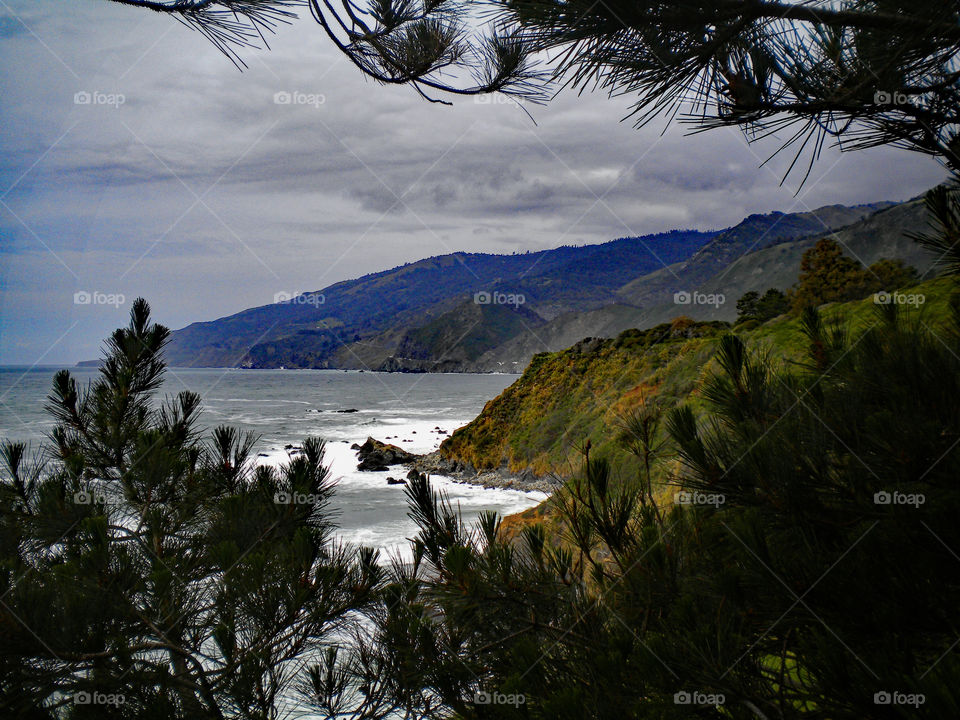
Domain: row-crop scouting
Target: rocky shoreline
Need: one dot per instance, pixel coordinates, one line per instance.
(375, 455)
(501, 477)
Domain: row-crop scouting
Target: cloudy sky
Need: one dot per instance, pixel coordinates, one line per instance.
(136, 160)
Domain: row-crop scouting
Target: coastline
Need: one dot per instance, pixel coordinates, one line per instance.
(379, 456)
(466, 474)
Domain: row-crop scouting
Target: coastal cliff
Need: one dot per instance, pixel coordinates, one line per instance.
(536, 428)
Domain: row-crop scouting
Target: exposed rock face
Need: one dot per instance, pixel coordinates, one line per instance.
(461, 472)
(376, 456)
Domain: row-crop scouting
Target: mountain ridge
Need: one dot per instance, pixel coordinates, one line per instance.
(411, 294)
(423, 316)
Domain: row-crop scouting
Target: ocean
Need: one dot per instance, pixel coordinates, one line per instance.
(413, 411)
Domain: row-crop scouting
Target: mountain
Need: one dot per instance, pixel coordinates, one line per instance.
(351, 322)
(881, 234)
(479, 312)
(460, 336)
(760, 252)
(754, 233)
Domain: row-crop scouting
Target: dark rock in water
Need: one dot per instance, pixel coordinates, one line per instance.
(394, 481)
(262, 455)
(288, 447)
(376, 455)
(348, 410)
(416, 475)
(354, 446)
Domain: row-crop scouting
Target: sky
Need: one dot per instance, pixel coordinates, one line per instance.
(136, 160)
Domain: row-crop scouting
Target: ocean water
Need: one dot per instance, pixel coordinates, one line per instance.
(285, 406)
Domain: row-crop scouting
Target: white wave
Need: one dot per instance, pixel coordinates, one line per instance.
(373, 513)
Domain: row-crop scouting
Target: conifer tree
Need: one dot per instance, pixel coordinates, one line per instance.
(148, 572)
(750, 593)
(827, 275)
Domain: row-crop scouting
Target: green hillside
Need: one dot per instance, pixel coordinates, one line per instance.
(460, 335)
(565, 398)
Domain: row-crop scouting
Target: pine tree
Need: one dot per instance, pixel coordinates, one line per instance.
(747, 305)
(827, 275)
(860, 74)
(803, 571)
(147, 572)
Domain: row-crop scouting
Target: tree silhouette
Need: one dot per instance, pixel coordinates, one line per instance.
(827, 275)
(741, 590)
(753, 306)
(861, 74)
(147, 573)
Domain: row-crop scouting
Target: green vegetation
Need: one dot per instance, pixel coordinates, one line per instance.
(827, 275)
(753, 306)
(806, 569)
(148, 573)
(564, 399)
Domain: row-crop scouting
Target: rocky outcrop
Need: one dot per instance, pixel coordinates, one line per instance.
(375, 455)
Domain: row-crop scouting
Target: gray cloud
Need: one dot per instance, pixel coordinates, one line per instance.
(203, 194)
